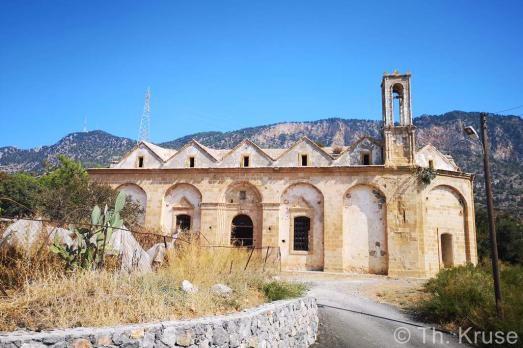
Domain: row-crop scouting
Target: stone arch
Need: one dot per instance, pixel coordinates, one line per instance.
(446, 214)
(398, 97)
(137, 195)
(242, 198)
(179, 200)
(365, 238)
(232, 193)
(302, 200)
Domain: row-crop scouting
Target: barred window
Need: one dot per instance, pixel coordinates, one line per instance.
(302, 226)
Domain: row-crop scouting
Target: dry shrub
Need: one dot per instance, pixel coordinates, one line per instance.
(147, 238)
(101, 298)
(20, 265)
(107, 298)
(202, 265)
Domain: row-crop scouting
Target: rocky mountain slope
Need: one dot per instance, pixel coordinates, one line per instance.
(98, 148)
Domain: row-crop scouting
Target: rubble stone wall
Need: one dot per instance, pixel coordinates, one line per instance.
(289, 323)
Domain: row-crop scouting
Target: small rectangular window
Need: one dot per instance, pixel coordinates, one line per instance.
(431, 164)
(304, 160)
(366, 159)
(246, 161)
(140, 162)
(191, 162)
(243, 195)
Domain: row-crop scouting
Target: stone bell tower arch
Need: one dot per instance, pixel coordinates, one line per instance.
(398, 134)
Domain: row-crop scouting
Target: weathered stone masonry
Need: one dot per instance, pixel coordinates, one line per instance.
(356, 208)
(291, 323)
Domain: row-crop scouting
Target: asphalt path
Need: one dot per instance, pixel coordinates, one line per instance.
(349, 320)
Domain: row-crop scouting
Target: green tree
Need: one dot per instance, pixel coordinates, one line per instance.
(509, 236)
(64, 193)
(66, 189)
(19, 195)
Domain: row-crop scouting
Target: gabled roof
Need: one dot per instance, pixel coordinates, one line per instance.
(448, 159)
(248, 142)
(162, 152)
(195, 143)
(351, 147)
(307, 140)
(149, 146)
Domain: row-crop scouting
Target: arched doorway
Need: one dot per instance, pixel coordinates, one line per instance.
(242, 231)
(364, 230)
(242, 211)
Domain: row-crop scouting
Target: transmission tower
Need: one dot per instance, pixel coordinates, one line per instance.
(145, 122)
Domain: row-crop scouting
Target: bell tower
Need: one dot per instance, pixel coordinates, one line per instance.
(398, 130)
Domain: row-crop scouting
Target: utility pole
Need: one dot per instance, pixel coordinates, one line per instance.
(491, 217)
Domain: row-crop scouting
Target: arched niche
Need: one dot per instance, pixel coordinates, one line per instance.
(137, 195)
(242, 199)
(446, 228)
(365, 229)
(301, 209)
(180, 201)
(243, 193)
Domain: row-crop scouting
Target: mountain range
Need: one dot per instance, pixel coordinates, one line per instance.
(98, 148)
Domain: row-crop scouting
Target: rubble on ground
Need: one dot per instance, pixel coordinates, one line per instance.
(26, 233)
(188, 287)
(221, 289)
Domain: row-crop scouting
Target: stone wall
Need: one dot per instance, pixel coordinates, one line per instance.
(291, 323)
(398, 220)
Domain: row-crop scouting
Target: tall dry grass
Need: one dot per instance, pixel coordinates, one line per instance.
(20, 265)
(55, 299)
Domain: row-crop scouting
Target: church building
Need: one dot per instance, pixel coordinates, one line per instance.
(378, 206)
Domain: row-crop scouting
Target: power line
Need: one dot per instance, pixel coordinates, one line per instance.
(509, 109)
(320, 305)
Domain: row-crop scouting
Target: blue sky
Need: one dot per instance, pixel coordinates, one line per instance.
(224, 65)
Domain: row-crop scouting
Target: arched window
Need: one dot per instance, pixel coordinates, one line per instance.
(302, 226)
(183, 222)
(397, 107)
(242, 231)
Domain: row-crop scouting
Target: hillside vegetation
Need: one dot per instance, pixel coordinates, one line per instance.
(98, 148)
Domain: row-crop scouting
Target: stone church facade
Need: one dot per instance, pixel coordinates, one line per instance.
(357, 208)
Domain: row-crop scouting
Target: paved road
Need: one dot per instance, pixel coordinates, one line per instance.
(340, 328)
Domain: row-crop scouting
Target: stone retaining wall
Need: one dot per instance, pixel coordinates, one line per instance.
(290, 323)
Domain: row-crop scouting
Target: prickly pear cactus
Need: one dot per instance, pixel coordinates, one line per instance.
(88, 251)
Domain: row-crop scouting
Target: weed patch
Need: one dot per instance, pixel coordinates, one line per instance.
(281, 290)
(464, 297)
